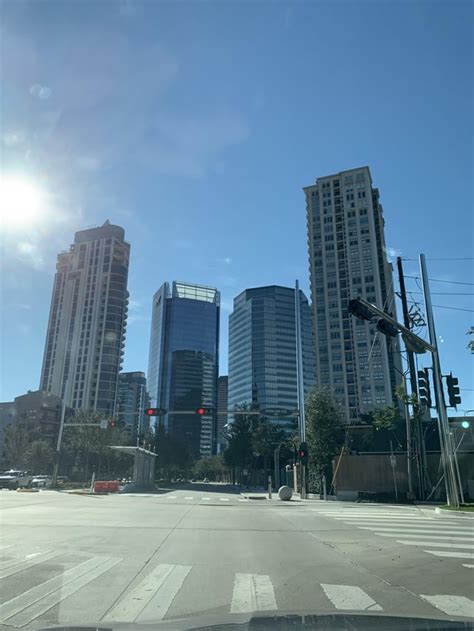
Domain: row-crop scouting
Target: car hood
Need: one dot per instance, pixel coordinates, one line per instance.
(267, 621)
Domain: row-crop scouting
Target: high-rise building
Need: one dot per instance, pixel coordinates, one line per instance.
(132, 399)
(347, 258)
(262, 352)
(87, 320)
(222, 397)
(183, 362)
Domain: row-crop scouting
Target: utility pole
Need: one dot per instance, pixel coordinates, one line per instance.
(300, 384)
(414, 391)
(54, 477)
(448, 454)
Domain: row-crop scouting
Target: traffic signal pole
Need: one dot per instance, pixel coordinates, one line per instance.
(300, 384)
(448, 454)
(419, 453)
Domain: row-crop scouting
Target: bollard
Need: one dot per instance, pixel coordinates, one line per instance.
(269, 487)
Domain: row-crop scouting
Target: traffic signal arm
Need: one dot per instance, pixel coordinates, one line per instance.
(362, 309)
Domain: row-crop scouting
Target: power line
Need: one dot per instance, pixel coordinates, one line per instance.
(463, 258)
(446, 307)
(446, 293)
(439, 280)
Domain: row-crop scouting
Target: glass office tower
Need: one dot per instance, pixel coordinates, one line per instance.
(262, 352)
(184, 362)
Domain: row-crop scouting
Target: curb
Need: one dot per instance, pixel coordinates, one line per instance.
(453, 513)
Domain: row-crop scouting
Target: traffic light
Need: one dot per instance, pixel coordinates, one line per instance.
(303, 453)
(386, 328)
(357, 309)
(202, 411)
(155, 411)
(453, 390)
(424, 393)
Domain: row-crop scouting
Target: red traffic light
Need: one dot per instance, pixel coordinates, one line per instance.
(155, 411)
(201, 411)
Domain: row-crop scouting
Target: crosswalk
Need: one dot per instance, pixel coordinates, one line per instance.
(204, 498)
(438, 535)
(155, 591)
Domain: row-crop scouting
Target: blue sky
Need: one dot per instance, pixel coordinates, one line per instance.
(195, 125)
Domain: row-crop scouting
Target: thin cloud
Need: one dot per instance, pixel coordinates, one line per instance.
(226, 259)
(392, 253)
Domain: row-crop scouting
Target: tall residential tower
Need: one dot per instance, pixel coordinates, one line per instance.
(183, 363)
(347, 258)
(87, 320)
(262, 352)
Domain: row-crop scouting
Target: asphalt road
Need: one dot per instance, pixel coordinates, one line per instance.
(71, 559)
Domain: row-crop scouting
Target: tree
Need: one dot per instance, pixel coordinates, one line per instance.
(40, 457)
(212, 467)
(16, 443)
(265, 438)
(239, 450)
(324, 429)
(385, 418)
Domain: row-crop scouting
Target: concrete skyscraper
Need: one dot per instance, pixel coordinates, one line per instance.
(347, 258)
(132, 399)
(183, 363)
(87, 320)
(262, 352)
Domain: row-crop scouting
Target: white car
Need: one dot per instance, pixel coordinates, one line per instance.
(41, 481)
(15, 479)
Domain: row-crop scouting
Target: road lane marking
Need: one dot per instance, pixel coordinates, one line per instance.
(152, 597)
(452, 555)
(188, 498)
(171, 497)
(252, 592)
(6, 547)
(468, 565)
(8, 568)
(246, 500)
(417, 534)
(224, 499)
(205, 498)
(51, 600)
(416, 529)
(435, 544)
(395, 519)
(32, 596)
(409, 522)
(350, 597)
(452, 605)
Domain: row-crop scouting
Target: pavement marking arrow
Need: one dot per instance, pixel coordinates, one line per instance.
(350, 597)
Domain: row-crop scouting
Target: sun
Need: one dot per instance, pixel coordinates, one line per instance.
(21, 202)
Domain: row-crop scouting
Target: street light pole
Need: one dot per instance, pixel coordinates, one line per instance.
(300, 384)
(448, 453)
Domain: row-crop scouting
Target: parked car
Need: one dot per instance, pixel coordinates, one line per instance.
(15, 479)
(41, 481)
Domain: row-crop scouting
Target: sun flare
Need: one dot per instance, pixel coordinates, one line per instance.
(21, 202)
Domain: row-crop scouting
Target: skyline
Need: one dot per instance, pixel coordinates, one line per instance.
(203, 161)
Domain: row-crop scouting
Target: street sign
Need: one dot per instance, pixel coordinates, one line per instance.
(104, 423)
(393, 461)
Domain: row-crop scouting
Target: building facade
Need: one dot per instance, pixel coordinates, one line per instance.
(262, 352)
(347, 259)
(132, 399)
(184, 362)
(222, 399)
(87, 320)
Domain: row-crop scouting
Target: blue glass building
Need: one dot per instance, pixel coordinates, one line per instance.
(262, 352)
(184, 362)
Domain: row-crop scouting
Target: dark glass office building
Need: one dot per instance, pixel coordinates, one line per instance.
(132, 399)
(262, 352)
(184, 362)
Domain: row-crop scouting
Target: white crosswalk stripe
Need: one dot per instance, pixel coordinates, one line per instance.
(350, 597)
(252, 592)
(13, 566)
(452, 605)
(27, 606)
(152, 597)
(437, 535)
(224, 499)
